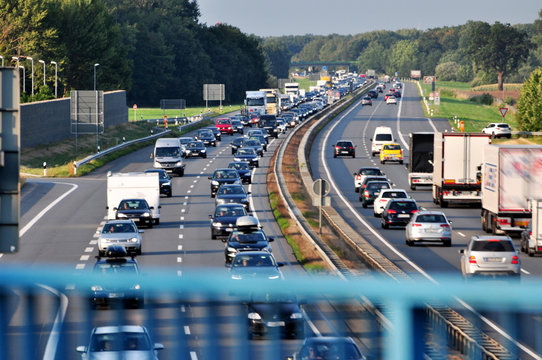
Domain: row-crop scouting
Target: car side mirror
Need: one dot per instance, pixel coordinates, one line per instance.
(371, 139)
(158, 346)
(224, 240)
(248, 192)
(159, 206)
(151, 207)
(450, 221)
(140, 231)
(211, 217)
(271, 239)
(210, 178)
(280, 264)
(152, 156)
(81, 349)
(115, 209)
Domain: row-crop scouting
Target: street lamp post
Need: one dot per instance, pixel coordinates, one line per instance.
(95, 66)
(32, 60)
(16, 58)
(24, 77)
(2, 60)
(43, 62)
(56, 72)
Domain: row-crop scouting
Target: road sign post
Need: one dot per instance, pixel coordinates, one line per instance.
(321, 188)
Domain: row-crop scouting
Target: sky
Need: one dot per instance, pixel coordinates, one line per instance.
(300, 17)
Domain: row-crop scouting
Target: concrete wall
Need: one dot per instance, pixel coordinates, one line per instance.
(48, 121)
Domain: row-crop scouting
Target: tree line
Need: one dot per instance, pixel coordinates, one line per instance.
(153, 49)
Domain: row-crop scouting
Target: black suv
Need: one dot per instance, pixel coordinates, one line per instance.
(398, 212)
(371, 191)
(251, 239)
(269, 123)
(373, 94)
(137, 210)
(344, 148)
(224, 219)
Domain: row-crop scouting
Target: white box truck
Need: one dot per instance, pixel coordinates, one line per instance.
(531, 237)
(256, 101)
(133, 185)
(420, 162)
(511, 176)
(168, 155)
(456, 161)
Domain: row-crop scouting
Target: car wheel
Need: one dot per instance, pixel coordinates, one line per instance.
(408, 242)
(412, 187)
(213, 195)
(169, 194)
(384, 225)
(257, 165)
(182, 172)
(373, 154)
(334, 155)
(353, 156)
(364, 205)
(447, 243)
(382, 161)
(356, 189)
(214, 145)
(400, 161)
(530, 252)
(150, 225)
(138, 251)
(205, 156)
(101, 253)
(213, 236)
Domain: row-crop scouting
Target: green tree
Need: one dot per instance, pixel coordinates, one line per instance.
(529, 114)
(403, 58)
(499, 48)
(447, 71)
(278, 57)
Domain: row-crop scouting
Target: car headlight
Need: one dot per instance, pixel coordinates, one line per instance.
(213, 182)
(168, 183)
(133, 240)
(236, 159)
(217, 224)
(204, 150)
(156, 164)
(220, 201)
(231, 250)
(136, 287)
(121, 215)
(296, 316)
(254, 316)
(179, 163)
(97, 288)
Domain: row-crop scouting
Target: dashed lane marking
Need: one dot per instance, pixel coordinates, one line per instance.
(89, 249)
(79, 266)
(84, 257)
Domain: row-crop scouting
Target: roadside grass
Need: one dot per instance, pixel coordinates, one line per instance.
(305, 83)
(475, 115)
(156, 113)
(61, 154)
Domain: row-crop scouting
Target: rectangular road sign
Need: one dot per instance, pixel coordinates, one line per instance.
(214, 92)
(87, 111)
(429, 79)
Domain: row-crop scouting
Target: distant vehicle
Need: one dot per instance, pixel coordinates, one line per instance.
(344, 148)
(269, 123)
(109, 268)
(244, 170)
(128, 342)
(371, 191)
(391, 152)
(255, 264)
(184, 140)
(196, 148)
(165, 181)
(363, 172)
(120, 232)
(223, 176)
(224, 219)
(256, 101)
(248, 236)
(490, 256)
(368, 179)
(367, 101)
(391, 100)
(253, 143)
(137, 210)
(498, 130)
(531, 237)
(385, 196)
(381, 136)
(206, 136)
(328, 348)
(398, 212)
(216, 132)
(236, 144)
(224, 125)
(168, 155)
(232, 193)
(372, 93)
(428, 226)
(237, 126)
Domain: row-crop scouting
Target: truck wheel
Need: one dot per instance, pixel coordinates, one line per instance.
(384, 225)
(401, 162)
(530, 251)
(493, 225)
(447, 243)
(412, 187)
(364, 205)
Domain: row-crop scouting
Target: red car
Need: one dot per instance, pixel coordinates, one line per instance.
(224, 125)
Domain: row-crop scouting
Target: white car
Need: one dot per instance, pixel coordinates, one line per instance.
(385, 196)
(391, 100)
(498, 130)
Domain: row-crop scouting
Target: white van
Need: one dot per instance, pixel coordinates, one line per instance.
(381, 136)
(168, 155)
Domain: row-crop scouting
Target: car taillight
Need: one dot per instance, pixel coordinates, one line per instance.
(416, 225)
(444, 225)
(383, 200)
(337, 147)
(414, 211)
(358, 177)
(351, 147)
(366, 193)
(515, 260)
(472, 259)
(392, 212)
(530, 233)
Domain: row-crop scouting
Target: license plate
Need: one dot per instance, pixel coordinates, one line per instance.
(229, 229)
(135, 219)
(344, 152)
(493, 259)
(275, 323)
(116, 295)
(403, 216)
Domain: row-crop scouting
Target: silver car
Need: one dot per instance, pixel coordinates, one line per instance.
(431, 226)
(120, 342)
(491, 256)
(120, 232)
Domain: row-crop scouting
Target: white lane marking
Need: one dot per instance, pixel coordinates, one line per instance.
(185, 203)
(54, 337)
(191, 186)
(186, 197)
(183, 210)
(96, 234)
(186, 330)
(182, 218)
(193, 355)
(89, 249)
(525, 272)
(461, 234)
(93, 242)
(198, 177)
(179, 247)
(392, 248)
(179, 273)
(181, 236)
(84, 257)
(49, 207)
(79, 266)
(189, 191)
(179, 259)
(310, 323)
(181, 227)
(195, 181)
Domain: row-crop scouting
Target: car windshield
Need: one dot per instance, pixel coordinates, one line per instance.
(383, 137)
(223, 122)
(118, 228)
(329, 351)
(370, 172)
(493, 245)
(228, 190)
(126, 341)
(252, 143)
(133, 205)
(185, 140)
(403, 205)
(193, 145)
(274, 298)
(226, 174)
(344, 144)
(378, 185)
(394, 195)
(116, 267)
(246, 152)
(435, 218)
(392, 147)
(170, 151)
(248, 237)
(240, 166)
(205, 133)
(222, 211)
(263, 260)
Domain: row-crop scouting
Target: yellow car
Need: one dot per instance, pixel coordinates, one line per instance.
(391, 152)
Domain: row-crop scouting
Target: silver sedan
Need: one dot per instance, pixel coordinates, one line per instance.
(431, 226)
(120, 232)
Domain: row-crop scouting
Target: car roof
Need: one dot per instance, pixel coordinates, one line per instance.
(430, 212)
(490, 237)
(116, 329)
(109, 222)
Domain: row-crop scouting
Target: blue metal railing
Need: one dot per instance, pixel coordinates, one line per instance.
(46, 313)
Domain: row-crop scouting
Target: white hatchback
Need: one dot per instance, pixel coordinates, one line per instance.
(385, 196)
